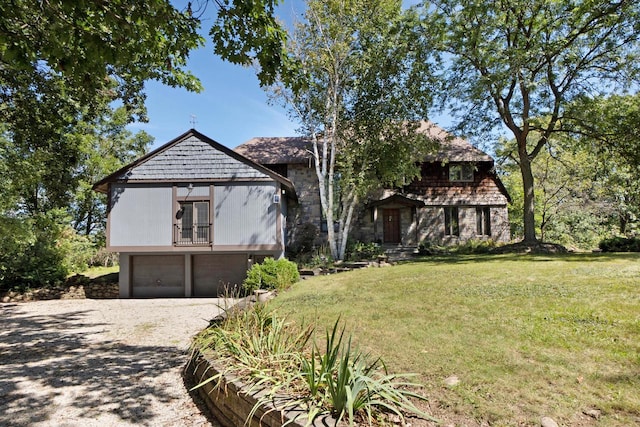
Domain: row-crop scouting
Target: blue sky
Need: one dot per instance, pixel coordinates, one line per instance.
(231, 109)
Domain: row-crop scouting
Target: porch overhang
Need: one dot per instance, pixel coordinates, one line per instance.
(397, 199)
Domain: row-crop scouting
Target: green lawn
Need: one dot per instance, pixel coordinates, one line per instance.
(95, 272)
(528, 336)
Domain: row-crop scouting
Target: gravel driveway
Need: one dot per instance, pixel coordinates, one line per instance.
(99, 362)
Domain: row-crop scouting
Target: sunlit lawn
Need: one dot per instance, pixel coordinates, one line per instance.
(528, 336)
(94, 272)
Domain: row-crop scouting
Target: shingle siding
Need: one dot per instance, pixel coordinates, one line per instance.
(192, 159)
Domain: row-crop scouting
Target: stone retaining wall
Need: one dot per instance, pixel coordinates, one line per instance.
(231, 404)
(78, 291)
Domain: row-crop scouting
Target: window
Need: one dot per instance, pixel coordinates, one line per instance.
(193, 223)
(451, 227)
(483, 221)
(324, 228)
(460, 172)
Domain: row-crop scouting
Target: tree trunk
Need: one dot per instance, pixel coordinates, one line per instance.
(89, 224)
(349, 207)
(529, 197)
(624, 220)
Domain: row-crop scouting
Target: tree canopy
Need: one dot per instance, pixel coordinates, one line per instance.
(518, 64)
(608, 127)
(247, 33)
(63, 64)
(94, 48)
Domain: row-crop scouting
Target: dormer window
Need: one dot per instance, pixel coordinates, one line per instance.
(460, 172)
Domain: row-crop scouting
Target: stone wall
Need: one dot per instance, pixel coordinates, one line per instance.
(308, 209)
(430, 225)
(434, 189)
(76, 287)
(231, 403)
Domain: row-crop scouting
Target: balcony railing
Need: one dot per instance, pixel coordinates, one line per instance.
(197, 234)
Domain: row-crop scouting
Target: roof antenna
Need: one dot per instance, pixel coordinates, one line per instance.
(193, 121)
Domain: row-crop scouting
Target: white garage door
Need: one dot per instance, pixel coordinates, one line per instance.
(213, 275)
(157, 275)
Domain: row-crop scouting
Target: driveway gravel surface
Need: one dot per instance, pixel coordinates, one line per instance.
(99, 362)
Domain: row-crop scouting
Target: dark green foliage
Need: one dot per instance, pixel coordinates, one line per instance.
(29, 251)
(247, 32)
(93, 49)
(306, 240)
(620, 244)
(359, 251)
(474, 247)
(41, 250)
(271, 275)
(349, 382)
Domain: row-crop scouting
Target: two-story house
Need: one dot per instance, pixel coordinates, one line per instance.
(458, 196)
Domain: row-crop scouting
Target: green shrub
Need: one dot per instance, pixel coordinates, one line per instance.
(305, 241)
(271, 275)
(474, 246)
(32, 252)
(257, 340)
(348, 382)
(427, 247)
(620, 244)
(360, 251)
(78, 250)
(319, 257)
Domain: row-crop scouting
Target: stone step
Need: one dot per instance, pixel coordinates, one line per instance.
(399, 253)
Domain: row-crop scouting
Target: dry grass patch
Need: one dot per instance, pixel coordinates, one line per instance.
(527, 336)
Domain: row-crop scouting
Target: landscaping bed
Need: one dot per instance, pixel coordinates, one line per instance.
(232, 404)
(253, 365)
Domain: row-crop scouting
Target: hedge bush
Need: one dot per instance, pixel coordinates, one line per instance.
(271, 275)
(620, 244)
(360, 251)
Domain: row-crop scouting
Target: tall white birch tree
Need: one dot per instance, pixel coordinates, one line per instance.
(357, 88)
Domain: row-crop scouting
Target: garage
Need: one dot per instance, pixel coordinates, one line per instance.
(213, 274)
(157, 276)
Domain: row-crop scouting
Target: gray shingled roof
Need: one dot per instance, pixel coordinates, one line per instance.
(296, 149)
(277, 150)
(191, 159)
(452, 148)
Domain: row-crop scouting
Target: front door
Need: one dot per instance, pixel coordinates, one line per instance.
(391, 218)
